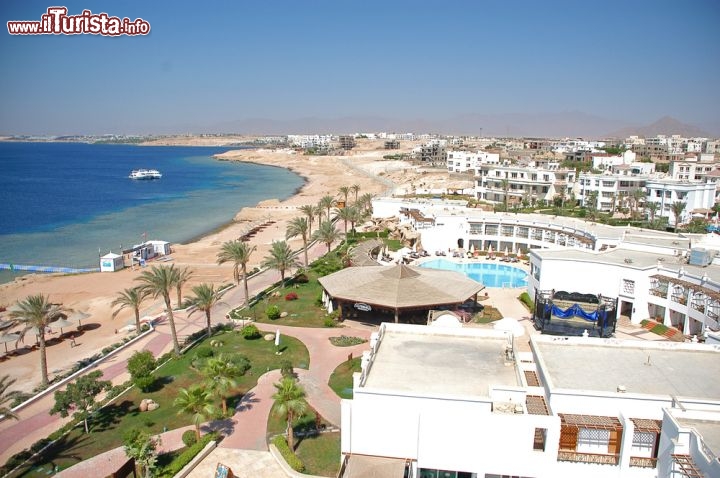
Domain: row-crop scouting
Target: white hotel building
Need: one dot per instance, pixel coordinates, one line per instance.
(464, 161)
(438, 402)
(672, 278)
(532, 182)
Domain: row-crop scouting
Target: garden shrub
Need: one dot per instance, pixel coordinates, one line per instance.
(525, 299)
(250, 332)
(346, 341)
(329, 322)
(286, 368)
(290, 457)
(204, 352)
(273, 312)
(291, 296)
(241, 362)
(301, 278)
(141, 365)
(189, 438)
(186, 457)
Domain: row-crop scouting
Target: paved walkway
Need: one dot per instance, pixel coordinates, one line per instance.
(35, 421)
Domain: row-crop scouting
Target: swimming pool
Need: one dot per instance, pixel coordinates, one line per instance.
(490, 274)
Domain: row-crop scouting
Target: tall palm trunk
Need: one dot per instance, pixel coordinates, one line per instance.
(290, 435)
(209, 327)
(171, 319)
(43, 359)
(245, 285)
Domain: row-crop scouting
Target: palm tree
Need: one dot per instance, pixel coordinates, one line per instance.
(345, 191)
(196, 401)
(309, 211)
(346, 214)
(298, 226)
(130, 299)
(280, 258)
(366, 202)
(677, 209)
(37, 312)
(206, 297)
(505, 185)
(353, 215)
(638, 195)
(326, 234)
(6, 397)
(326, 203)
(355, 188)
(220, 373)
(238, 253)
(158, 282)
(591, 203)
(289, 403)
(183, 276)
(319, 210)
(652, 208)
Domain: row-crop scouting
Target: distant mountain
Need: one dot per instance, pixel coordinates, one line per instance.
(561, 125)
(666, 125)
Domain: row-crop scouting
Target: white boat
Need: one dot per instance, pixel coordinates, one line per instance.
(145, 174)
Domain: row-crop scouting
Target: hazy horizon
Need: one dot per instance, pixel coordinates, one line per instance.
(235, 63)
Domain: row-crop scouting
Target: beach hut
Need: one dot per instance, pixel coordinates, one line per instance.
(111, 262)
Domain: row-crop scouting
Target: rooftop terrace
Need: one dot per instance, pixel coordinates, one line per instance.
(436, 361)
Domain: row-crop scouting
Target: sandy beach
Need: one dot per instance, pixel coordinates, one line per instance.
(93, 293)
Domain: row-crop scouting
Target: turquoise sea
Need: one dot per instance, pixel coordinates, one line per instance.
(63, 204)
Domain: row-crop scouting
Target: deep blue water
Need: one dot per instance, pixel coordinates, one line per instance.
(490, 274)
(61, 203)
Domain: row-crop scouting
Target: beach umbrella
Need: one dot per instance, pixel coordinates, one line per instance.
(277, 338)
(489, 248)
(61, 324)
(7, 338)
(78, 316)
(472, 248)
(506, 251)
(330, 307)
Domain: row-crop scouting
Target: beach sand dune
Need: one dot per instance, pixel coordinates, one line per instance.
(94, 293)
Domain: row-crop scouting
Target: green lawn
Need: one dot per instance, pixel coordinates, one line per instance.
(108, 427)
(319, 452)
(341, 380)
(302, 312)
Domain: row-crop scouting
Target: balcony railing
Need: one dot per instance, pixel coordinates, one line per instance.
(564, 455)
(641, 462)
(659, 292)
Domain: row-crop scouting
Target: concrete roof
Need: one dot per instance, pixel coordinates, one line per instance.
(439, 361)
(709, 429)
(684, 370)
(640, 260)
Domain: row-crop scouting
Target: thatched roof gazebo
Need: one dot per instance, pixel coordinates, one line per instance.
(400, 287)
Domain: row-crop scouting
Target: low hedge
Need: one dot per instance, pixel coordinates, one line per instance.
(525, 299)
(174, 467)
(288, 455)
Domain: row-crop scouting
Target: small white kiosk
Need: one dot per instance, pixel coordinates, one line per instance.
(111, 262)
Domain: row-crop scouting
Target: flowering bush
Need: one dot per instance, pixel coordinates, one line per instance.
(291, 296)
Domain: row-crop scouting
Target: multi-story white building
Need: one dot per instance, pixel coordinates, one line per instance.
(512, 184)
(466, 403)
(464, 161)
(604, 161)
(673, 278)
(698, 197)
(610, 191)
(309, 140)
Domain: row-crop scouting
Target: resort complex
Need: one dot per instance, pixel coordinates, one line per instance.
(451, 312)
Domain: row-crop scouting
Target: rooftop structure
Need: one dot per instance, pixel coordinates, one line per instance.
(462, 403)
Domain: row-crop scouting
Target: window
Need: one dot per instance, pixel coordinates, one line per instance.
(643, 444)
(628, 286)
(591, 440)
(539, 440)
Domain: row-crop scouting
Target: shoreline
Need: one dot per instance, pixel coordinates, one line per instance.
(94, 293)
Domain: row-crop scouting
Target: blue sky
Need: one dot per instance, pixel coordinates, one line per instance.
(231, 60)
